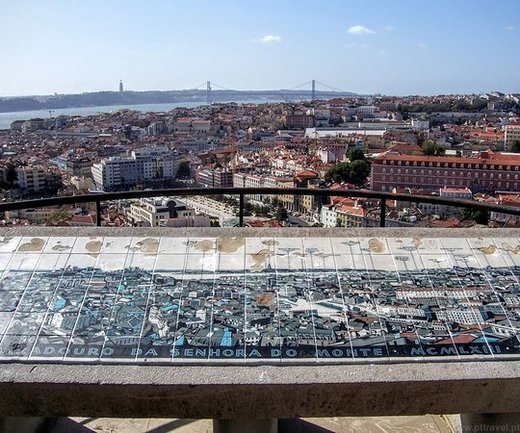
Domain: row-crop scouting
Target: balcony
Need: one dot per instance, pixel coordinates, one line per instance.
(259, 324)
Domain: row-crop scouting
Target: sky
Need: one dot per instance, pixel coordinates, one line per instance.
(399, 47)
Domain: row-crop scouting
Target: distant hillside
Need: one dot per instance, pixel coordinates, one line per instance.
(95, 99)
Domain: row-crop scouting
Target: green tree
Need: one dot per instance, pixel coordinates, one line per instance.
(338, 173)
(60, 214)
(430, 148)
(184, 170)
(359, 170)
(281, 213)
(10, 174)
(356, 154)
(515, 146)
(354, 172)
(479, 216)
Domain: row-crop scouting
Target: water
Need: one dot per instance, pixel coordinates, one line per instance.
(7, 118)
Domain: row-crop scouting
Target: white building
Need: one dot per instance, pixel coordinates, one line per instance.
(31, 179)
(156, 211)
(329, 216)
(144, 165)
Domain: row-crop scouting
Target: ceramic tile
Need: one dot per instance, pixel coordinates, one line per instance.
(228, 315)
(87, 245)
(406, 246)
(81, 261)
(5, 258)
(111, 262)
(171, 263)
(301, 315)
(285, 260)
(173, 246)
(202, 246)
(145, 245)
(16, 346)
(231, 263)
(429, 245)
(509, 250)
(261, 259)
(9, 244)
(182, 317)
(50, 346)
(374, 246)
(9, 300)
(24, 261)
(141, 260)
(27, 323)
(318, 245)
(51, 262)
(455, 246)
(264, 318)
(255, 245)
(116, 245)
(59, 245)
(348, 246)
(31, 245)
(231, 245)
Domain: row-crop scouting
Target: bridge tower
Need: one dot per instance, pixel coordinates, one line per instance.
(208, 92)
(313, 93)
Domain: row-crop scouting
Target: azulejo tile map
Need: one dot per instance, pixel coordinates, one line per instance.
(240, 299)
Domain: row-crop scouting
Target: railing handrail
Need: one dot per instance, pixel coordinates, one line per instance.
(379, 195)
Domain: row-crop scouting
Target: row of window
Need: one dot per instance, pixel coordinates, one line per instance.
(447, 173)
(442, 181)
(452, 165)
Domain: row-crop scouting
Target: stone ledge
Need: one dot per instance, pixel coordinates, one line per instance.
(259, 391)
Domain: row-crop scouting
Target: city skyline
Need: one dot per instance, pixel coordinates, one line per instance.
(396, 49)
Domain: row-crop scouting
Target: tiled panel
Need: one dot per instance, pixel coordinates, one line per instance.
(152, 299)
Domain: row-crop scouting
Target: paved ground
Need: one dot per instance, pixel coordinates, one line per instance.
(405, 424)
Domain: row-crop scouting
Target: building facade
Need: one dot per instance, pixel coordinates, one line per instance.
(141, 167)
(487, 172)
(156, 211)
(512, 134)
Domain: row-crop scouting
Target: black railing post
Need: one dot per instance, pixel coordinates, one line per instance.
(98, 212)
(241, 210)
(382, 216)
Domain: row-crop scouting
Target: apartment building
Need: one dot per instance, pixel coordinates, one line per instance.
(37, 179)
(214, 177)
(142, 166)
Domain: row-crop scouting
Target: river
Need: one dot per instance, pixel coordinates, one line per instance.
(7, 118)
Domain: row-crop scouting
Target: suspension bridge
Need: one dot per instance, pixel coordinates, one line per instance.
(309, 90)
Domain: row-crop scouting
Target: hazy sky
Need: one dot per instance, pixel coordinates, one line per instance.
(365, 46)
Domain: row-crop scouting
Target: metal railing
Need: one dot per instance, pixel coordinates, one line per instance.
(383, 197)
